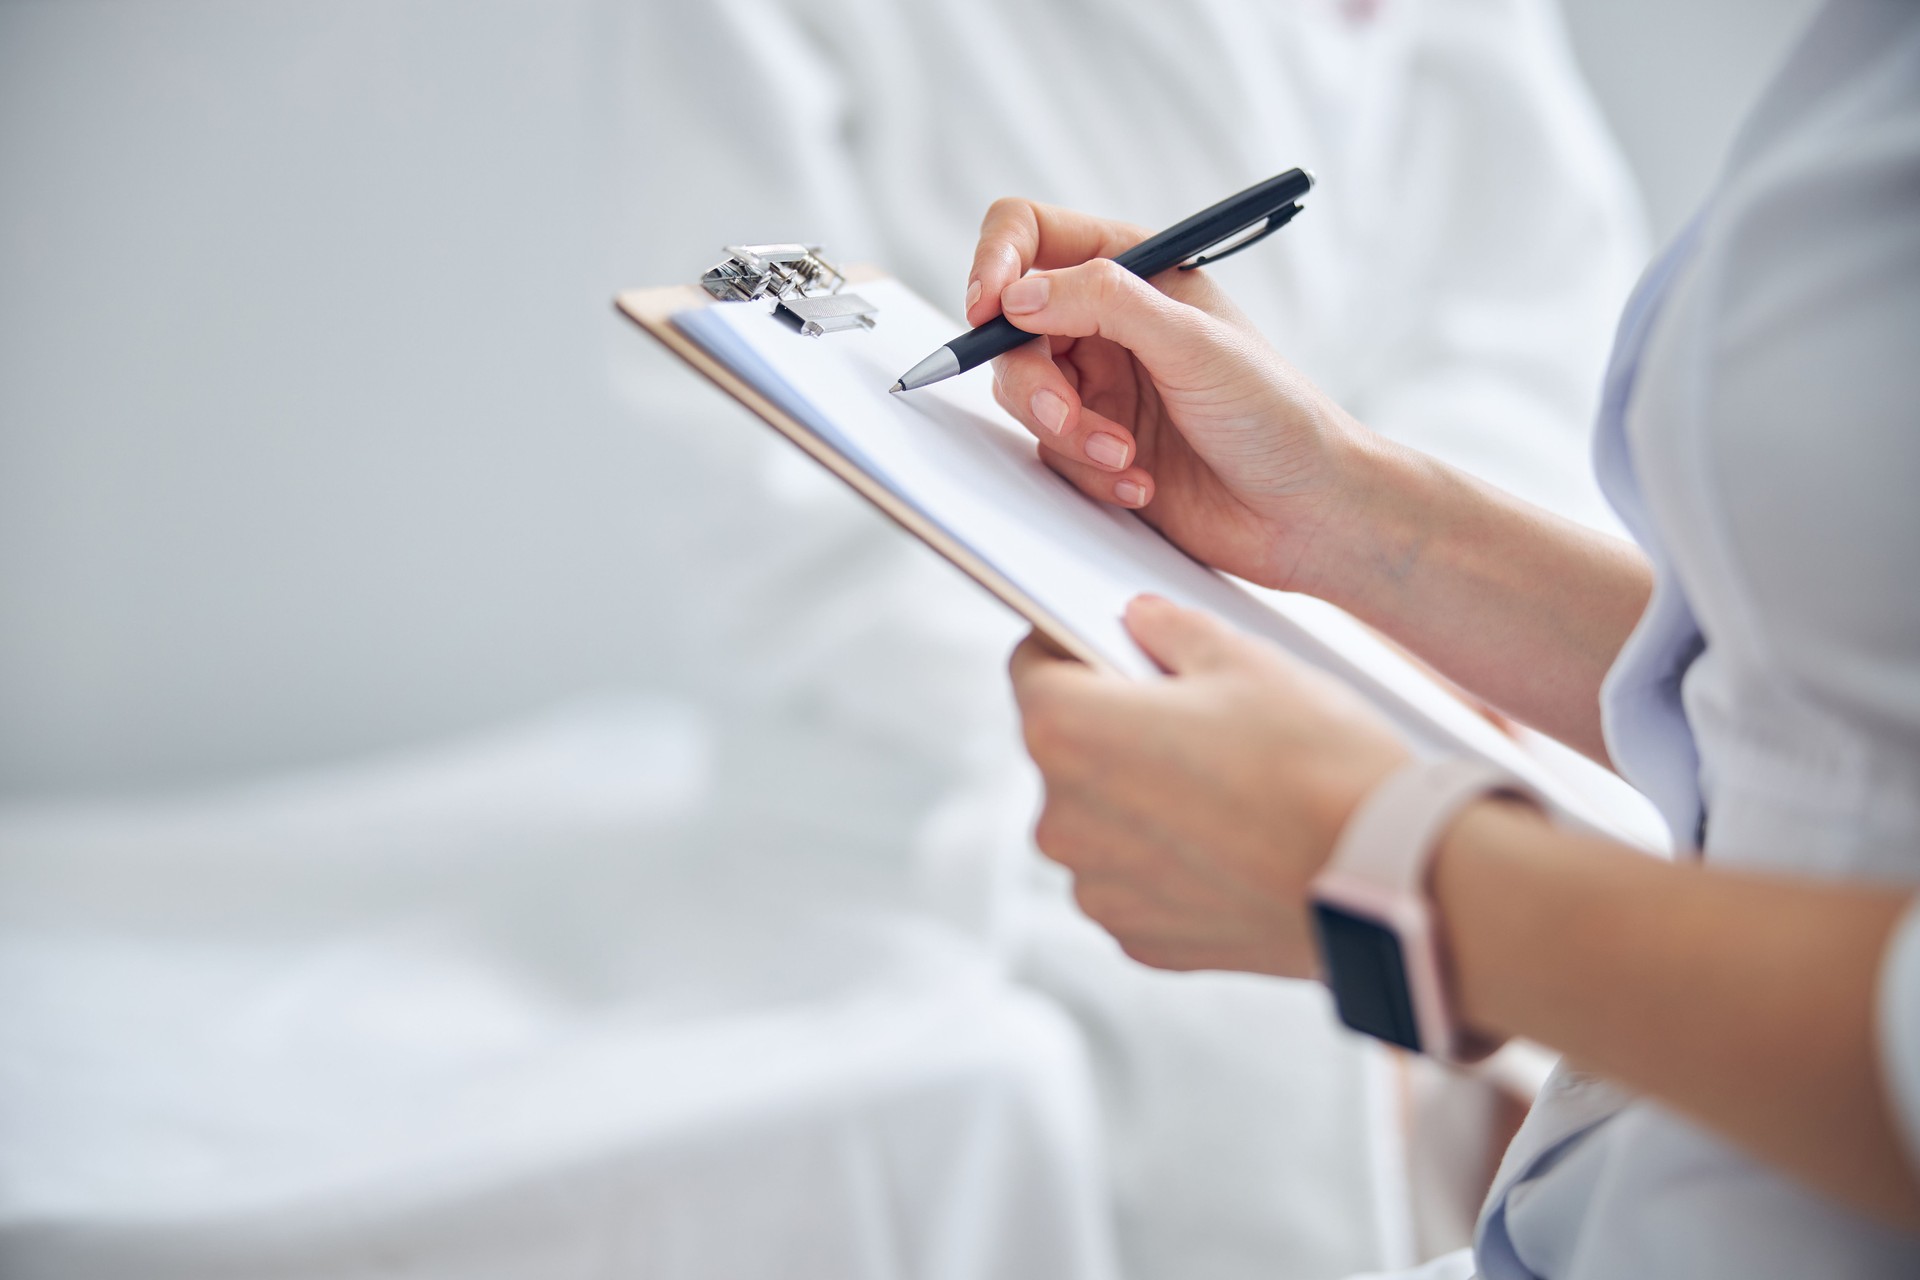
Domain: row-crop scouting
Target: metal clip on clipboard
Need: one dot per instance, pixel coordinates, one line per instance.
(805, 287)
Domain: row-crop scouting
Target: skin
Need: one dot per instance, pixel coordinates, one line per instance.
(1195, 812)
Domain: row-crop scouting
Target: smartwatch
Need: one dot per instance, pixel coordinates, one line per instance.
(1379, 941)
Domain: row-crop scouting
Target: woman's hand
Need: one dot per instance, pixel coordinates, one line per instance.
(1157, 396)
(1194, 811)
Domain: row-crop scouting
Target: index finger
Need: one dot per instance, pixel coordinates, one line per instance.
(1018, 236)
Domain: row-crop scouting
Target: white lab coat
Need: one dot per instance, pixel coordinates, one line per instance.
(1758, 436)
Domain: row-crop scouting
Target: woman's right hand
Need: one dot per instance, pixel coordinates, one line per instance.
(1159, 395)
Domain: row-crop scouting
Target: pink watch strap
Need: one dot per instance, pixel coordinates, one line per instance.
(1379, 870)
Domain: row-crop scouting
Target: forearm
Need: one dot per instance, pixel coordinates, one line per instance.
(1522, 608)
(1744, 1002)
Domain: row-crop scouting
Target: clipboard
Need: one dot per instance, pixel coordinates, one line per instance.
(653, 310)
(1433, 716)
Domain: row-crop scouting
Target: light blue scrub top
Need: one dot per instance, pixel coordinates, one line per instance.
(1760, 436)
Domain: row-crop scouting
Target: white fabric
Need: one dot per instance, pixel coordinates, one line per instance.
(460, 1014)
(1759, 437)
(1457, 1265)
(1204, 1081)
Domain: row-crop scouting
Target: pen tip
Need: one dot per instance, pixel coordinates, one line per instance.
(897, 388)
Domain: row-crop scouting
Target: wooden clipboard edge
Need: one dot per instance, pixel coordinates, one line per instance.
(653, 310)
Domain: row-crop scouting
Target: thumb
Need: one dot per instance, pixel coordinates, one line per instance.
(1182, 641)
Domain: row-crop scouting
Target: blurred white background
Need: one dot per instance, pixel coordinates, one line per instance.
(306, 565)
(1674, 79)
(467, 795)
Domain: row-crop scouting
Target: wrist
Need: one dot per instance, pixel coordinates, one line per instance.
(1375, 917)
(1480, 883)
(1375, 519)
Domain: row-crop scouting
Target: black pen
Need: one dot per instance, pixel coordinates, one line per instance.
(1261, 210)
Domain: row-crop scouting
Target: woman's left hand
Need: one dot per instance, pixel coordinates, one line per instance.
(1194, 811)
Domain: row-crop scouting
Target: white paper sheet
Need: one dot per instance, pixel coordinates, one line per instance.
(957, 458)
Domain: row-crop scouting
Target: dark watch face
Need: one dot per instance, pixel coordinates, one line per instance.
(1368, 975)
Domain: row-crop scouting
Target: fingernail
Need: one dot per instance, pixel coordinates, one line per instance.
(1050, 409)
(1026, 295)
(973, 294)
(1130, 493)
(1108, 451)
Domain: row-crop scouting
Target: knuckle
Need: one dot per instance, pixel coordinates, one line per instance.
(1009, 222)
(1004, 395)
(1040, 733)
(1061, 833)
(1097, 901)
(1041, 710)
(1115, 289)
(1175, 959)
(1110, 280)
(1012, 374)
(1050, 834)
(1016, 666)
(1143, 951)
(1054, 733)
(1047, 744)
(1113, 904)
(1001, 209)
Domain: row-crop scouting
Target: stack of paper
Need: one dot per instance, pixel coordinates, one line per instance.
(951, 455)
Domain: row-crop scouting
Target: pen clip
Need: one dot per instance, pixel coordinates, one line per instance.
(1274, 222)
